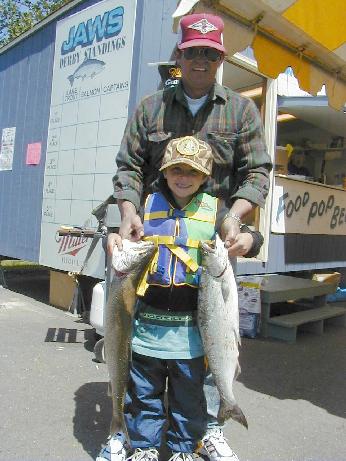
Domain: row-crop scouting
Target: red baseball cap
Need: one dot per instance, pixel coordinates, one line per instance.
(201, 29)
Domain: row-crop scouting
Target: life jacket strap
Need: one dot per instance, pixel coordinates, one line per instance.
(174, 213)
(177, 240)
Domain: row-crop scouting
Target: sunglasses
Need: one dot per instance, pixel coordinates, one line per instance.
(209, 53)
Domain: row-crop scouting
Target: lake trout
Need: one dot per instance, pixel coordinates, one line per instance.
(218, 321)
(128, 266)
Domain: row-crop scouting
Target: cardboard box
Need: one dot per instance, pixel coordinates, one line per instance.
(281, 160)
(61, 289)
(248, 324)
(249, 294)
(249, 299)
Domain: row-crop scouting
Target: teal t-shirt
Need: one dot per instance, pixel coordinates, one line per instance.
(165, 334)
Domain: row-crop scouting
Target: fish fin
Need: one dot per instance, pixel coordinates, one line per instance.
(234, 412)
(71, 79)
(237, 336)
(237, 371)
(225, 289)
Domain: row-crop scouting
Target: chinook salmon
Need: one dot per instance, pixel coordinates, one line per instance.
(128, 265)
(218, 321)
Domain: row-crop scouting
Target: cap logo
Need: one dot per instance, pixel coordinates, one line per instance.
(203, 26)
(188, 146)
(175, 72)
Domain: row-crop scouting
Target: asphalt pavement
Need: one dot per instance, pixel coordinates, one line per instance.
(53, 394)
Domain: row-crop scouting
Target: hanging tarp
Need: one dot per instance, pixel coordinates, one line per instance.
(307, 35)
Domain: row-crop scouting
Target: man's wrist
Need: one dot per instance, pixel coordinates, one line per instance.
(233, 216)
(126, 208)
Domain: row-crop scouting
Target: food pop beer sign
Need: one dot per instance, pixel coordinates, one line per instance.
(304, 208)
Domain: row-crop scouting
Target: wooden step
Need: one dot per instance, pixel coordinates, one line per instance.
(310, 315)
(285, 326)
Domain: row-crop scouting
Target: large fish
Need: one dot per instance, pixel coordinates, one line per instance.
(88, 69)
(218, 321)
(128, 265)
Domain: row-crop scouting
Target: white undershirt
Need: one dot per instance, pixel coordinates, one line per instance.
(195, 104)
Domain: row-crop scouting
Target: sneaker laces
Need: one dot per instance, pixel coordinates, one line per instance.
(215, 443)
(214, 432)
(120, 438)
(179, 456)
(149, 454)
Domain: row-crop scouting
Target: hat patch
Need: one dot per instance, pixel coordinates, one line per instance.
(203, 26)
(188, 146)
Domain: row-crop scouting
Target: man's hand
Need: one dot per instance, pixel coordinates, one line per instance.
(229, 231)
(241, 246)
(230, 228)
(112, 241)
(131, 227)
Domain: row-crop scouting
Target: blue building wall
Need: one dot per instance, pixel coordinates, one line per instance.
(25, 86)
(25, 79)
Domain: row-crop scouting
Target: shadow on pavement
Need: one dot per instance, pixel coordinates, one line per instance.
(93, 411)
(87, 336)
(312, 369)
(34, 284)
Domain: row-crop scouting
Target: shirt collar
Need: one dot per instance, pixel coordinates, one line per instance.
(217, 91)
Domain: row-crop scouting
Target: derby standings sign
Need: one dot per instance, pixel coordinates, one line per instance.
(300, 207)
(107, 26)
(88, 115)
(94, 38)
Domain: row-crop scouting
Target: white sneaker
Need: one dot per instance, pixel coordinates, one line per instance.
(116, 449)
(215, 447)
(179, 456)
(148, 454)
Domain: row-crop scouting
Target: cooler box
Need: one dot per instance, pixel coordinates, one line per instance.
(97, 307)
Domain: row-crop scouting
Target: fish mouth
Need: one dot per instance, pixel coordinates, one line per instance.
(143, 247)
(208, 248)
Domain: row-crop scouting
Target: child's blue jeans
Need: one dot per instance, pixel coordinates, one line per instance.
(145, 411)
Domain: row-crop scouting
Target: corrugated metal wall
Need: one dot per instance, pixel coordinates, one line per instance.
(293, 253)
(25, 85)
(25, 76)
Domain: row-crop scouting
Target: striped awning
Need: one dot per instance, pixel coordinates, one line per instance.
(307, 35)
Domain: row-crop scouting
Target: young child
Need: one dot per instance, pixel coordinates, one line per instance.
(166, 343)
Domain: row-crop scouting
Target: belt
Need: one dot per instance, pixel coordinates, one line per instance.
(148, 314)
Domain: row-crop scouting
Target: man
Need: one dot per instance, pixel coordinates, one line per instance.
(229, 122)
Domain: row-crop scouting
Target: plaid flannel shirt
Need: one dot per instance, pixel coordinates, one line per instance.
(229, 122)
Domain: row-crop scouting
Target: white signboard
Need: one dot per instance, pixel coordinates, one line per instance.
(300, 207)
(7, 148)
(88, 114)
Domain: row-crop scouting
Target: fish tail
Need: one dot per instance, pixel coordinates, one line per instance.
(71, 79)
(226, 411)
